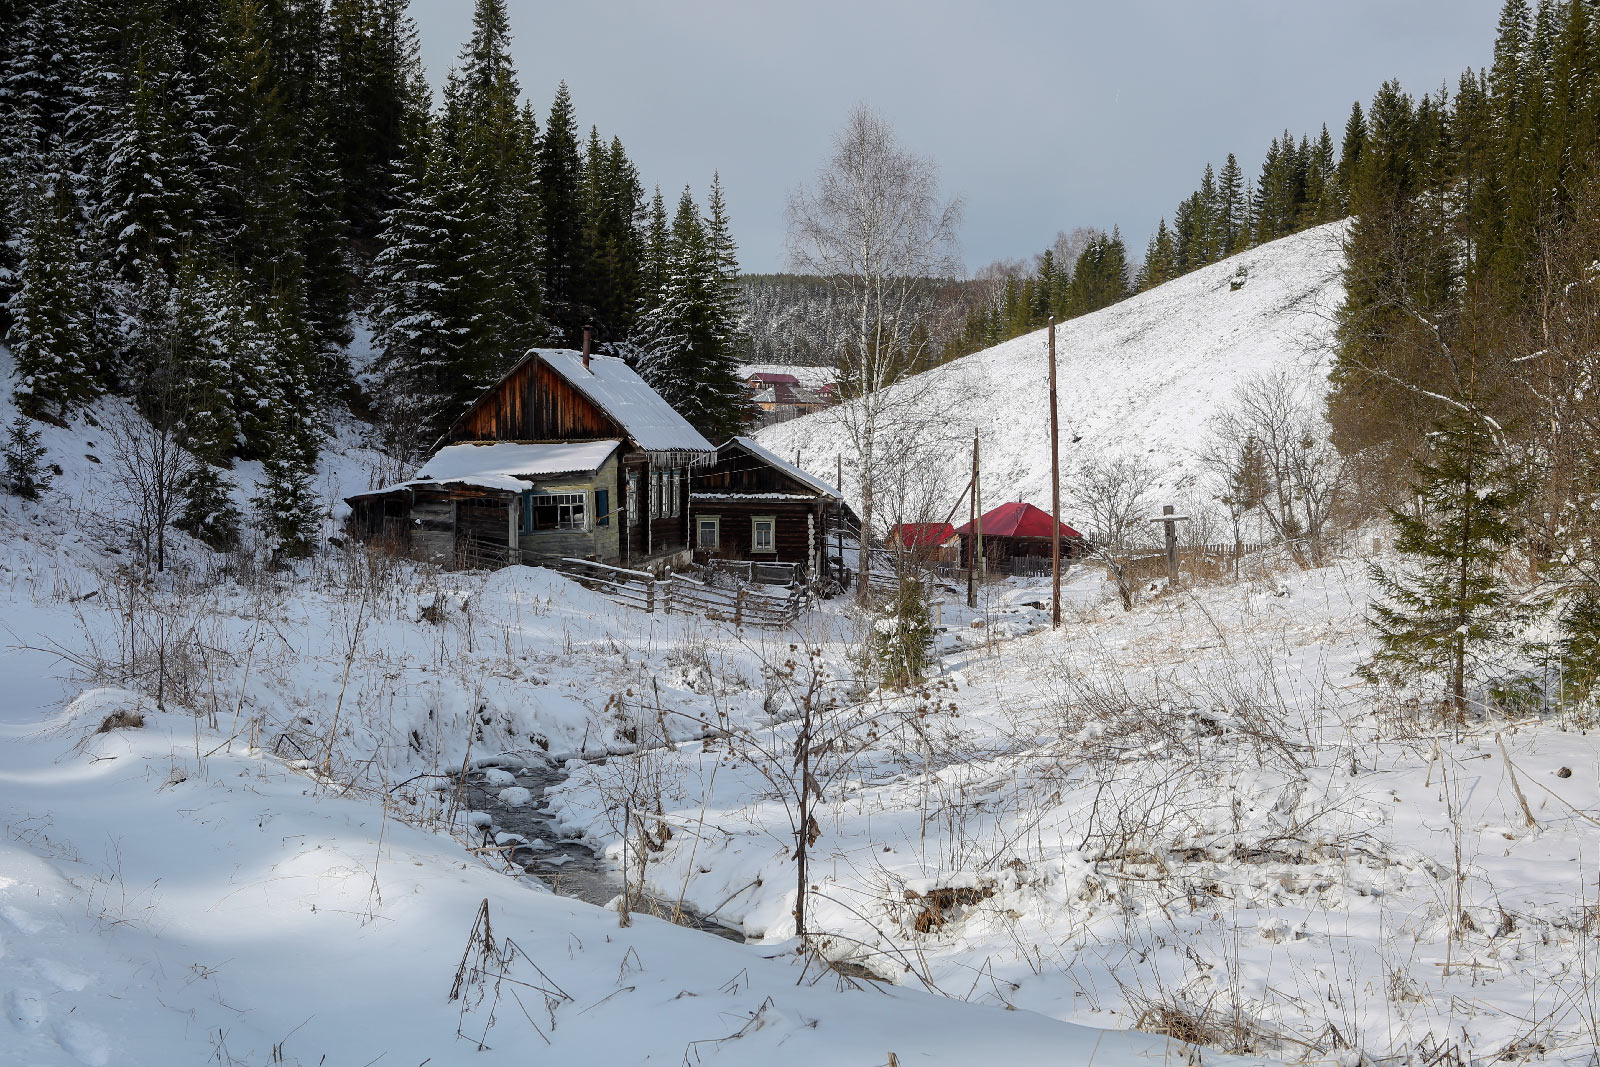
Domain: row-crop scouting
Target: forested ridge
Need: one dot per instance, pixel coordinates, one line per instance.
(202, 201)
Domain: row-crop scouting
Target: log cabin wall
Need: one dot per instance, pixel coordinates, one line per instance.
(796, 533)
(534, 403)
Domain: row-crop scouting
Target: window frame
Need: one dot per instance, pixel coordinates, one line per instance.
(631, 498)
(564, 503)
(755, 539)
(716, 526)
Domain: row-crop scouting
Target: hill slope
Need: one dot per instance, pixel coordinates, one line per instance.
(1140, 376)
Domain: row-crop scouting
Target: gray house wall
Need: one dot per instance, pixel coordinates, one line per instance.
(601, 542)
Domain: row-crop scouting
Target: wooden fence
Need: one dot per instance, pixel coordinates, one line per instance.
(639, 589)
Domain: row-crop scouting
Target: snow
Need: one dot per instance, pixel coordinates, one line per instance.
(1141, 377)
(505, 466)
(622, 394)
(1198, 804)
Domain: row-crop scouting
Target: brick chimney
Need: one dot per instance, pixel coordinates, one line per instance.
(588, 332)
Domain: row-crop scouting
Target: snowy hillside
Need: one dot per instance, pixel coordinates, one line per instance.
(1141, 376)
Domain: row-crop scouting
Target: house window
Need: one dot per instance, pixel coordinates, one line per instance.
(674, 507)
(708, 532)
(655, 494)
(554, 511)
(602, 507)
(762, 532)
(633, 498)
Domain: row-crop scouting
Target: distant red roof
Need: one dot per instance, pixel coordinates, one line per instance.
(922, 534)
(1017, 520)
(774, 379)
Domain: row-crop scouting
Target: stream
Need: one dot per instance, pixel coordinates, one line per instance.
(570, 868)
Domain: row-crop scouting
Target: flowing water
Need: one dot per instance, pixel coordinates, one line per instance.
(568, 867)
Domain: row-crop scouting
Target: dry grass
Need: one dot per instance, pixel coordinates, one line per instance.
(121, 719)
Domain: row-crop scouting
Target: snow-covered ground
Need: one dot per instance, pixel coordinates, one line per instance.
(224, 837)
(1192, 816)
(1141, 377)
(229, 832)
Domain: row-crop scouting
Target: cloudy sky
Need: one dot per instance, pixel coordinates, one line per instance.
(1043, 115)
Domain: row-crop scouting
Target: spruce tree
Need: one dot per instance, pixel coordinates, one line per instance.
(1449, 600)
(1355, 139)
(51, 309)
(209, 514)
(1232, 208)
(26, 475)
(559, 178)
(285, 505)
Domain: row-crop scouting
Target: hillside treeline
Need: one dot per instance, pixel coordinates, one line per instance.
(204, 202)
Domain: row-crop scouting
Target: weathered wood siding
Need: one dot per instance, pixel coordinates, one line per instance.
(534, 403)
(789, 533)
(737, 471)
(433, 527)
(601, 542)
(666, 532)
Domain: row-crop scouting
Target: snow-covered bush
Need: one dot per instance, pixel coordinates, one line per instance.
(902, 636)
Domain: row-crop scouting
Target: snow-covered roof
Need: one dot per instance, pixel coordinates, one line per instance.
(618, 390)
(809, 480)
(809, 376)
(502, 465)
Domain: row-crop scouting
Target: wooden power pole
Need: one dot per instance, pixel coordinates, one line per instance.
(1055, 492)
(972, 529)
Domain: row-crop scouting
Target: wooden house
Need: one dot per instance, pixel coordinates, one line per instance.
(752, 505)
(567, 456)
(1016, 531)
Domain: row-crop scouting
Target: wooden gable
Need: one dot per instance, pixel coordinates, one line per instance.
(737, 470)
(533, 403)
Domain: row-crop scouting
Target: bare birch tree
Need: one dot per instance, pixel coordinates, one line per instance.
(1113, 493)
(875, 225)
(1274, 436)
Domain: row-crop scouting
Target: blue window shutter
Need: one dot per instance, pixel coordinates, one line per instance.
(602, 507)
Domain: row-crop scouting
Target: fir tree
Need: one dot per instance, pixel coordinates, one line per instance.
(559, 177)
(1449, 600)
(26, 475)
(1355, 139)
(51, 310)
(286, 506)
(208, 514)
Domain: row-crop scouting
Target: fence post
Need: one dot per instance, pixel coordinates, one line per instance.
(738, 607)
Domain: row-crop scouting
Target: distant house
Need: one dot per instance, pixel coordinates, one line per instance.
(929, 541)
(777, 395)
(1018, 530)
(753, 505)
(568, 455)
(782, 385)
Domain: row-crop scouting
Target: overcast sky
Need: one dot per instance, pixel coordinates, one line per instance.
(1043, 115)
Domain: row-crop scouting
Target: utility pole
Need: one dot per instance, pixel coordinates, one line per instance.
(1055, 492)
(972, 529)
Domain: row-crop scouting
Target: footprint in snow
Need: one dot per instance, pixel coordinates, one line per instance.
(87, 1043)
(20, 919)
(60, 975)
(25, 1008)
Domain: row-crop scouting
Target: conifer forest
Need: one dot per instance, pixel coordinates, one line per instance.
(474, 590)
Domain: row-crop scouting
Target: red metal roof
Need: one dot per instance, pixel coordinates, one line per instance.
(775, 378)
(1017, 520)
(922, 534)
